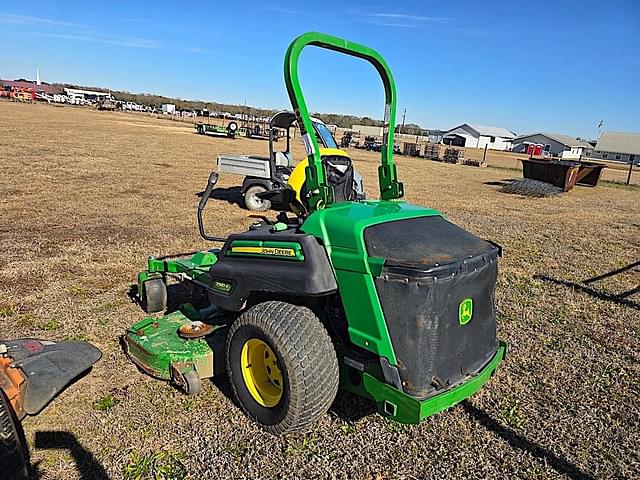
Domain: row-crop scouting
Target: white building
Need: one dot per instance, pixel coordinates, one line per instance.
(479, 136)
(553, 144)
(618, 146)
(168, 108)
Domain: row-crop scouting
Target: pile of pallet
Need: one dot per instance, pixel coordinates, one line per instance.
(453, 155)
(412, 149)
(432, 151)
(474, 163)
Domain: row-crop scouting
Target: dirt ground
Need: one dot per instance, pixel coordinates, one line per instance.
(85, 196)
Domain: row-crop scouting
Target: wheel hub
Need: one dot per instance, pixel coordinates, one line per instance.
(261, 373)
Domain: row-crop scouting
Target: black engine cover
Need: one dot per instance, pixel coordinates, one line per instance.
(311, 277)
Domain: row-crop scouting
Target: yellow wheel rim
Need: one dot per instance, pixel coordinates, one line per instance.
(261, 372)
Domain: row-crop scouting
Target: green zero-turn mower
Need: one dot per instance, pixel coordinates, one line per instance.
(382, 298)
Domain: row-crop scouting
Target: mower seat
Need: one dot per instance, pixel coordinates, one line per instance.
(283, 159)
(347, 185)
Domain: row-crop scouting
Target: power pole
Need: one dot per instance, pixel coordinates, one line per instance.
(404, 114)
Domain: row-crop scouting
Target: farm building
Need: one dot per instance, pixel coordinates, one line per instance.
(38, 87)
(553, 144)
(479, 136)
(618, 146)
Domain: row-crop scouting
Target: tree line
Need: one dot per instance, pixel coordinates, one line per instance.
(151, 100)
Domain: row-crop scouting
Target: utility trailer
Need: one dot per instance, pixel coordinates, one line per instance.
(246, 165)
(220, 131)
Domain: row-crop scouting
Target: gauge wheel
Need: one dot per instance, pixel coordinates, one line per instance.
(255, 203)
(189, 382)
(154, 295)
(281, 365)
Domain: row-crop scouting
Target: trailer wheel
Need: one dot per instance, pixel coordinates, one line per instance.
(154, 297)
(255, 203)
(14, 456)
(281, 365)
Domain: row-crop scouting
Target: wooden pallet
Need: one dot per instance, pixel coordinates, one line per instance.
(453, 155)
(474, 163)
(432, 151)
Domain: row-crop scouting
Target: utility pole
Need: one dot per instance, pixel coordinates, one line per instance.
(404, 114)
(631, 162)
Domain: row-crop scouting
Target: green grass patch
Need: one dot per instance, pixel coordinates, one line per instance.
(81, 337)
(27, 320)
(620, 185)
(52, 325)
(162, 465)
(498, 167)
(347, 428)
(511, 412)
(395, 427)
(106, 402)
(303, 446)
(7, 311)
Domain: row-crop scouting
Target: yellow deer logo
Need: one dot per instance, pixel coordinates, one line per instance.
(465, 311)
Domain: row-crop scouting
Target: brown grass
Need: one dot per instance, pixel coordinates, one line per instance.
(85, 196)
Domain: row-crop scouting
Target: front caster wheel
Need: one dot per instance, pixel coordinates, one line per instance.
(154, 295)
(189, 382)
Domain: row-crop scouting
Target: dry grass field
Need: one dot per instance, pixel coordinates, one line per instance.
(85, 196)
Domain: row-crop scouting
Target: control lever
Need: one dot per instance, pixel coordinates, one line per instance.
(213, 179)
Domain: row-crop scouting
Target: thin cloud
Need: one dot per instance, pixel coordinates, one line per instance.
(393, 24)
(196, 50)
(283, 10)
(123, 42)
(13, 19)
(414, 18)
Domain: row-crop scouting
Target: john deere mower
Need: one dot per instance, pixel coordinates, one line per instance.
(381, 298)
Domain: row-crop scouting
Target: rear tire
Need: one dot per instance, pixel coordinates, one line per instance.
(154, 297)
(254, 203)
(306, 364)
(14, 456)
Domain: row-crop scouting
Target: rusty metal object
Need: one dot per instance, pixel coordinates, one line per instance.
(195, 329)
(564, 174)
(561, 173)
(589, 173)
(12, 383)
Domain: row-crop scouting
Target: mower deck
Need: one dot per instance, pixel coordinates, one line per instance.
(155, 346)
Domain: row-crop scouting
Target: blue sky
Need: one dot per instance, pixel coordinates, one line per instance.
(558, 66)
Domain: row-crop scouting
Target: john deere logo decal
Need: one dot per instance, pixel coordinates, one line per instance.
(465, 311)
